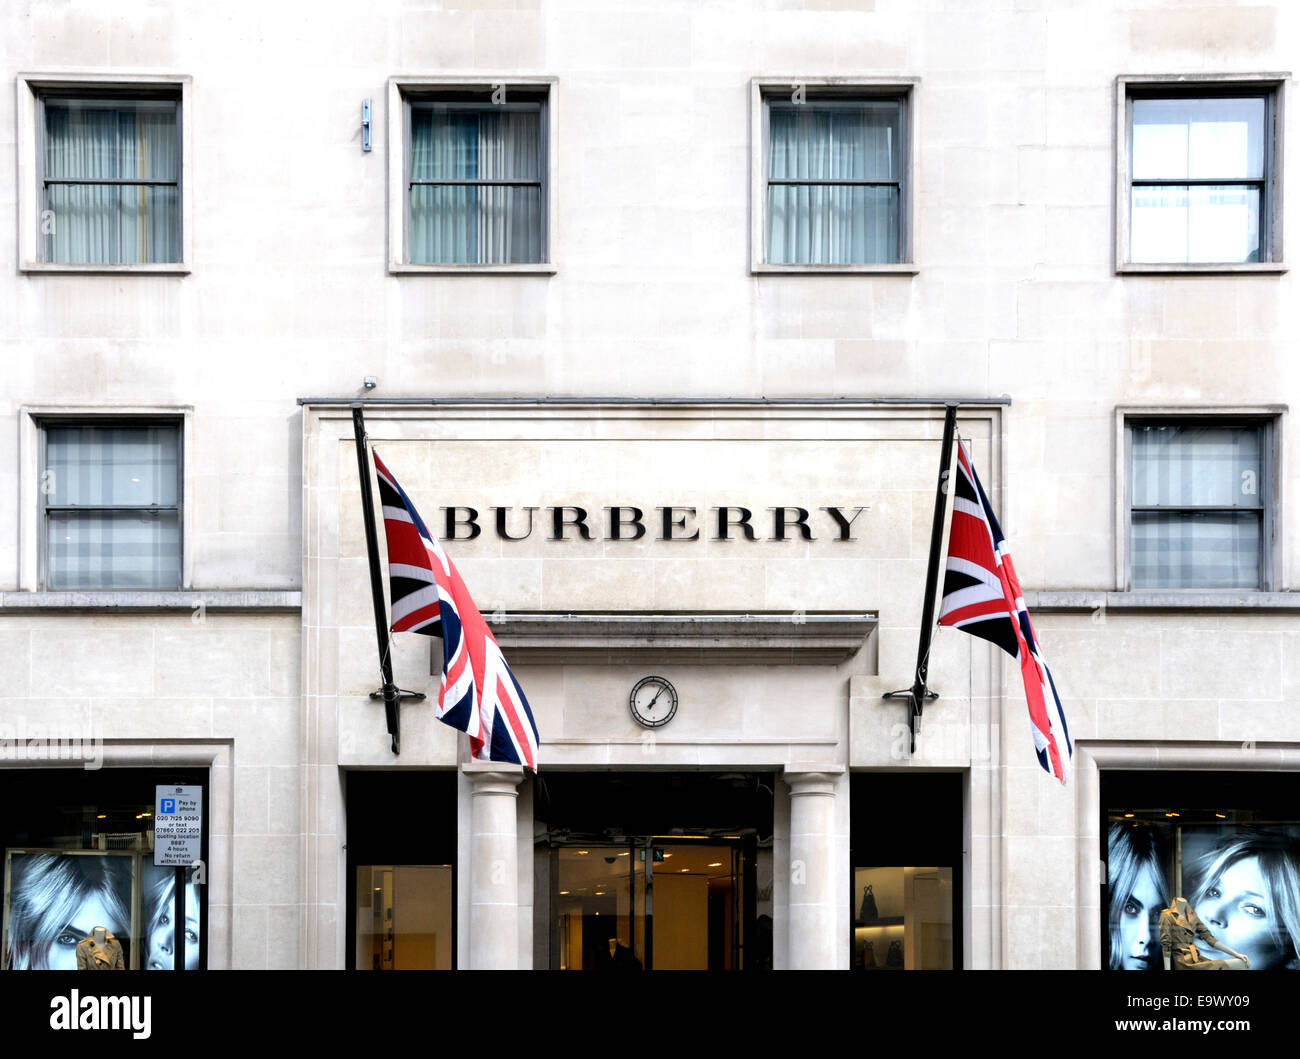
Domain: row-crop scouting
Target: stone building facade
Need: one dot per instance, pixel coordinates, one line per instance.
(663, 324)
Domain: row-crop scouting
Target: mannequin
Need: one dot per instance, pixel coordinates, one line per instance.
(100, 951)
(1180, 926)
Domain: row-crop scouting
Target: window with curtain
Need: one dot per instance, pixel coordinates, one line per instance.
(1199, 178)
(835, 180)
(112, 501)
(476, 189)
(1199, 504)
(110, 181)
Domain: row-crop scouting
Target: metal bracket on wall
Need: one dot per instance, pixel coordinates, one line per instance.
(914, 710)
(365, 124)
(402, 695)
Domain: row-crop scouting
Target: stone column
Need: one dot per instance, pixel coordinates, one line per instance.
(813, 913)
(493, 867)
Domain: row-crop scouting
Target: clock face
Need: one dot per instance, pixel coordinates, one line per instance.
(653, 702)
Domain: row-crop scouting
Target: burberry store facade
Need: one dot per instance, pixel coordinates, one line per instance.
(690, 594)
(706, 597)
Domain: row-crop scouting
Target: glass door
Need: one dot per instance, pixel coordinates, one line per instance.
(697, 900)
(650, 902)
(599, 908)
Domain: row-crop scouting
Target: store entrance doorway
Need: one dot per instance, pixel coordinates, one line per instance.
(652, 903)
(654, 889)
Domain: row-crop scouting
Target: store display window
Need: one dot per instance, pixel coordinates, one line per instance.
(1206, 864)
(82, 890)
(401, 878)
(907, 857)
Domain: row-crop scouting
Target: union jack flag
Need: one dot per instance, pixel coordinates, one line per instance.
(981, 596)
(478, 694)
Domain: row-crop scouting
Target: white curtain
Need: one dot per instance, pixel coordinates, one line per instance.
(821, 224)
(112, 223)
(475, 224)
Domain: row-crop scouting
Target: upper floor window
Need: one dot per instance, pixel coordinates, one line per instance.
(110, 181)
(1200, 503)
(1200, 185)
(832, 183)
(102, 174)
(476, 176)
(111, 494)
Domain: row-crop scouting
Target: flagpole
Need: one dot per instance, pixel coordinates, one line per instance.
(917, 695)
(376, 582)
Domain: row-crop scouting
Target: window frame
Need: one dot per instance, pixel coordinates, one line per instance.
(32, 90)
(33, 558)
(1269, 419)
(1272, 87)
(402, 92)
(900, 89)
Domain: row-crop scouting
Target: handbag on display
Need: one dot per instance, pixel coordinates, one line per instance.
(869, 955)
(894, 957)
(868, 913)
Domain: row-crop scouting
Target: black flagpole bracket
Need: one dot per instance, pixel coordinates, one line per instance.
(916, 706)
(402, 696)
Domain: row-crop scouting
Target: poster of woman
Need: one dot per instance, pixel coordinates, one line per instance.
(55, 899)
(1242, 881)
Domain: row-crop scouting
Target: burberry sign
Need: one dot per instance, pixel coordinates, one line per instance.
(672, 523)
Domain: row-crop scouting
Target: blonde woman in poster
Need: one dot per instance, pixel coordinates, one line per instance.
(1247, 891)
(1138, 891)
(58, 899)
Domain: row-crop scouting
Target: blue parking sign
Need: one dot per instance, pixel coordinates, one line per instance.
(168, 805)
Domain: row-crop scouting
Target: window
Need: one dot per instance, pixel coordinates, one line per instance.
(831, 185)
(1199, 503)
(77, 851)
(475, 176)
(111, 494)
(905, 905)
(102, 170)
(1200, 182)
(1228, 842)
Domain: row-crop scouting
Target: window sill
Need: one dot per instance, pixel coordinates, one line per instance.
(901, 269)
(144, 600)
(177, 268)
(541, 268)
(1228, 599)
(1202, 269)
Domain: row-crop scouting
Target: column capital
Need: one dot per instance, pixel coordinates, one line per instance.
(493, 777)
(812, 780)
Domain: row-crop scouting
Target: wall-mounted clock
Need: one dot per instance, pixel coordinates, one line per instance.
(653, 702)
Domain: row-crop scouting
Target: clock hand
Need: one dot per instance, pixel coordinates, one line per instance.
(651, 704)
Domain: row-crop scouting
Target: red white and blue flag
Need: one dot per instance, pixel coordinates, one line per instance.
(478, 694)
(981, 596)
